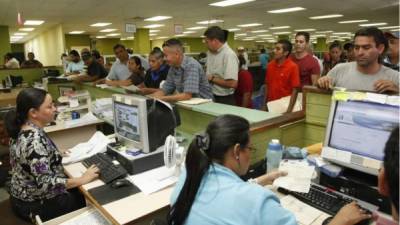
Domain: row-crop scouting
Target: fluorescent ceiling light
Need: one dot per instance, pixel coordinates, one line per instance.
(271, 41)
(113, 34)
(354, 21)
(259, 31)
(162, 37)
(107, 30)
(100, 24)
(341, 33)
(284, 32)
(100, 37)
(130, 38)
(268, 38)
(180, 35)
(250, 25)
(320, 35)
(325, 16)
(324, 32)
(26, 29)
(151, 35)
(293, 9)
(154, 31)
(395, 30)
(260, 41)
(153, 26)
(20, 34)
(390, 27)
(196, 28)
(77, 32)
(33, 22)
(248, 39)
(280, 27)
(16, 37)
(229, 3)
(241, 34)
(233, 29)
(189, 32)
(264, 35)
(209, 21)
(158, 18)
(372, 24)
(305, 30)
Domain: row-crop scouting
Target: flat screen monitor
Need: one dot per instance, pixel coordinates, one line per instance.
(357, 132)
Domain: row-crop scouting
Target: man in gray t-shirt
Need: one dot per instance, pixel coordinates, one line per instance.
(366, 74)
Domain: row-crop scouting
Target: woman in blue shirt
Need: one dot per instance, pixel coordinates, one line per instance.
(210, 190)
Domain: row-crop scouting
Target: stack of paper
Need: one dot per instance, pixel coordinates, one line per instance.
(298, 178)
(154, 180)
(97, 143)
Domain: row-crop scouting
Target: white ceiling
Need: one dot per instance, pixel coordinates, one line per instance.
(79, 14)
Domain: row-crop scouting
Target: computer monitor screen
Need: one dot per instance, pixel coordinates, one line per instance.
(357, 133)
(127, 121)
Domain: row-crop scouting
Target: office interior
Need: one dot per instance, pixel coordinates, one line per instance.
(57, 27)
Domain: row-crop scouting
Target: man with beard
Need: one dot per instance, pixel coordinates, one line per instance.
(75, 66)
(367, 73)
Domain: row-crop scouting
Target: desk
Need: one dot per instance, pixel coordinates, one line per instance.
(66, 137)
(132, 209)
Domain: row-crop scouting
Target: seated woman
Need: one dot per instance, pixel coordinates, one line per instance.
(137, 73)
(210, 190)
(38, 183)
(156, 74)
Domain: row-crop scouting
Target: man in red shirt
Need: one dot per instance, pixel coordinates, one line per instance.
(308, 65)
(245, 86)
(282, 78)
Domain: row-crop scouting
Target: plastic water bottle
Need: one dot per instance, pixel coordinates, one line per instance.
(274, 155)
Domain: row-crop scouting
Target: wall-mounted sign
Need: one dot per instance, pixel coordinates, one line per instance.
(130, 28)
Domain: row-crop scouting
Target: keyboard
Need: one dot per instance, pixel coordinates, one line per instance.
(327, 200)
(108, 170)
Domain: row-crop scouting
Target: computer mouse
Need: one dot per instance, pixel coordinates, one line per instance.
(120, 183)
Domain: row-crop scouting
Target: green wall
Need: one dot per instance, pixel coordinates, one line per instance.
(196, 44)
(76, 40)
(105, 45)
(5, 45)
(17, 48)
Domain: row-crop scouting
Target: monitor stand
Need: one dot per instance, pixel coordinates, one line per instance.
(358, 185)
(138, 163)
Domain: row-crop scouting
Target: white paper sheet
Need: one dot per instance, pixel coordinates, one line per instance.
(195, 101)
(298, 178)
(96, 144)
(304, 213)
(92, 216)
(154, 180)
(379, 98)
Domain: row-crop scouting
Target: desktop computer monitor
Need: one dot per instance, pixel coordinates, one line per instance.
(143, 123)
(357, 132)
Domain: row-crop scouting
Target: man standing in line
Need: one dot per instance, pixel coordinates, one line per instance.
(308, 65)
(222, 66)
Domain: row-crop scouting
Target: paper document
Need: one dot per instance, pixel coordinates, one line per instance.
(131, 88)
(154, 180)
(195, 101)
(298, 178)
(97, 143)
(103, 86)
(92, 216)
(281, 105)
(305, 214)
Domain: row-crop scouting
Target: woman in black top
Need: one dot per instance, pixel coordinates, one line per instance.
(38, 184)
(156, 74)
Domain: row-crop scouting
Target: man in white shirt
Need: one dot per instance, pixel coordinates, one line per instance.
(367, 73)
(10, 62)
(222, 66)
(75, 65)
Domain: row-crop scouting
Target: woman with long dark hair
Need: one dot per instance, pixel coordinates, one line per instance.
(210, 191)
(38, 184)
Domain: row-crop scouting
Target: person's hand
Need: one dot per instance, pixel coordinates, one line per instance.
(209, 77)
(65, 153)
(270, 177)
(91, 173)
(350, 214)
(382, 86)
(324, 82)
